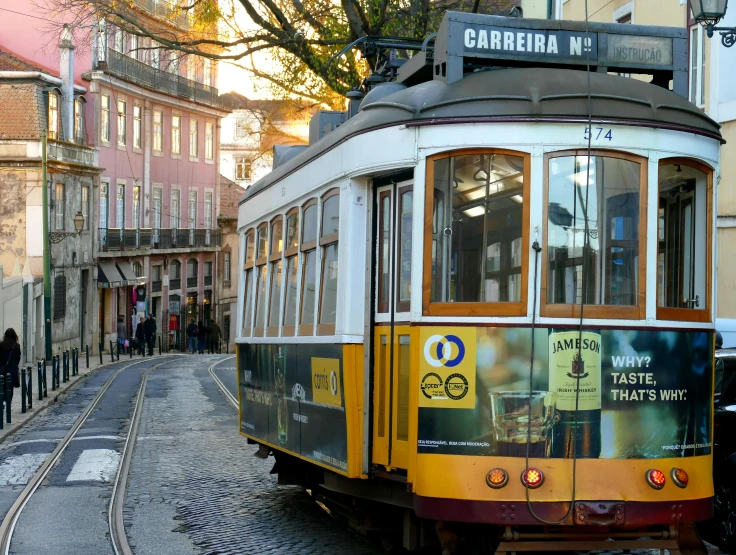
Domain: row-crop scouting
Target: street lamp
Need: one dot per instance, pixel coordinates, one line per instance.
(59, 236)
(708, 13)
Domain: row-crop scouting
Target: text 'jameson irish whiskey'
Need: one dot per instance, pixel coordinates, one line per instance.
(575, 363)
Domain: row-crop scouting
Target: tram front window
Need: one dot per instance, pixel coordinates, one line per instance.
(606, 192)
(477, 228)
(682, 239)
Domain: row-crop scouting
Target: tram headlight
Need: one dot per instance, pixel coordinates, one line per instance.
(497, 478)
(679, 477)
(656, 478)
(532, 478)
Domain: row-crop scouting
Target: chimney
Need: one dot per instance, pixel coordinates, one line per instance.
(66, 72)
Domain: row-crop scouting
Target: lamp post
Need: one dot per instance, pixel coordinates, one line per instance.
(708, 13)
(59, 236)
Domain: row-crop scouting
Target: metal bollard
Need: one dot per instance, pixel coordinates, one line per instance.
(112, 353)
(159, 345)
(118, 350)
(40, 382)
(2, 399)
(131, 352)
(8, 395)
(100, 351)
(45, 380)
(65, 367)
(29, 390)
(22, 390)
(75, 359)
(53, 373)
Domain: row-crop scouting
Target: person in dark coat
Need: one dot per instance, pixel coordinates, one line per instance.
(214, 338)
(149, 328)
(10, 359)
(201, 337)
(140, 336)
(192, 334)
(121, 333)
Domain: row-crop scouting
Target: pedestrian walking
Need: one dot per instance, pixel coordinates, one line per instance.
(192, 331)
(214, 338)
(121, 332)
(140, 336)
(10, 359)
(201, 337)
(149, 327)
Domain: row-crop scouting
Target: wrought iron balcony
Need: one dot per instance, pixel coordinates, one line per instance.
(207, 280)
(174, 284)
(133, 70)
(167, 11)
(72, 153)
(116, 239)
(156, 286)
(192, 282)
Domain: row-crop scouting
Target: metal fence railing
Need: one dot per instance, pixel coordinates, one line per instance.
(115, 239)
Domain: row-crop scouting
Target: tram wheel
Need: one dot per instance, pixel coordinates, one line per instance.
(724, 517)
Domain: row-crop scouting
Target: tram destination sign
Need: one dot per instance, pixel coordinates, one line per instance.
(653, 51)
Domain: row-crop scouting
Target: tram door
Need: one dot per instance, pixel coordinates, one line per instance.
(392, 341)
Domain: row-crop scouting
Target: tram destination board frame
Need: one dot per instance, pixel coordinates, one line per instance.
(466, 41)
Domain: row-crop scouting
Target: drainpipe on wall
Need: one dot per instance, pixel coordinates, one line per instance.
(46, 251)
(66, 72)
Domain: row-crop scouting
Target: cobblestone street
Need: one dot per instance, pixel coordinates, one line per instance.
(197, 488)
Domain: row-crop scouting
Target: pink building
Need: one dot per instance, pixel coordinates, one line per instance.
(154, 118)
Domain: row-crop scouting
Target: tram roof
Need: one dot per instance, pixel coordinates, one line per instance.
(512, 95)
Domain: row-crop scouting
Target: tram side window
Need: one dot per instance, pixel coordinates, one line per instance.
(309, 275)
(683, 258)
(277, 242)
(593, 233)
(329, 243)
(292, 272)
(261, 300)
(248, 295)
(477, 229)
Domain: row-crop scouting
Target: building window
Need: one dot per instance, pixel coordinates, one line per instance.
(136, 207)
(248, 296)
(328, 243)
(193, 137)
(138, 269)
(209, 141)
(277, 243)
(105, 119)
(79, 120)
(175, 135)
(684, 261)
(175, 271)
(157, 201)
(242, 127)
(59, 205)
(53, 116)
(137, 127)
(134, 52)
(60, 300)
(191, 69)
(593, 254)
(158, 131)
(309, 276)
(156, 273)
(476, 256)
(120, 207)
(103, 204)
(155, 55)
(208, 210)
(261, 300)
(208, 269)
(226, 270)
(175, 209)
(192, 209)
(243, 169)
(697, 66)
(85, 205)
(119, 41)
(207, 72)
(122, 130)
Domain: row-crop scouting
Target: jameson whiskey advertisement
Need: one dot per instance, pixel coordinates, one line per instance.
(640, 394)
(575, 378)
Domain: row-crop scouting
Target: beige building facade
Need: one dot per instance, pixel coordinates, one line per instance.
(711, 86)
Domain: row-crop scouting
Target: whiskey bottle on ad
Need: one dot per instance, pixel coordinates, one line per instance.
(575, 363)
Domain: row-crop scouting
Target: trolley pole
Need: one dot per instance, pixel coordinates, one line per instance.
(46, 247)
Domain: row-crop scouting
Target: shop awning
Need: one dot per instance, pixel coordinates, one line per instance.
(129, 277)
(108, 275)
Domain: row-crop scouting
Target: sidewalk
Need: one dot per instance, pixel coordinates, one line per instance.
(18, 419)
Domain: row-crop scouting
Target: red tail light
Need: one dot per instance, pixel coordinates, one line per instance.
(532, 478)
(680, 477)
(656, 478)
(497, 478)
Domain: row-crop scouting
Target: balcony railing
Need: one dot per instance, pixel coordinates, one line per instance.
(174, 284)
(115, 239)
(192, 282)
(156, 286)
(71, 153)
(207, 280)
(128, 68)
(168, 11)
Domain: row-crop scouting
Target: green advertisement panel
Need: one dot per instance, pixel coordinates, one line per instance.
(609, 394)
(291, 396)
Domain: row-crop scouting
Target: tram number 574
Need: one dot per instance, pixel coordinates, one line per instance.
(598, 133)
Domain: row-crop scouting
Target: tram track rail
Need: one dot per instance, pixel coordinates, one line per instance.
(225, 391)
(117, 529)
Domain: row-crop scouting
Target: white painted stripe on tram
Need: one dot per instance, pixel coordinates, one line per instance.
(95, 465)
(17, 470)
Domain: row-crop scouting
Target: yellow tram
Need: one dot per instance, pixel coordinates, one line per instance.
(480, 305)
